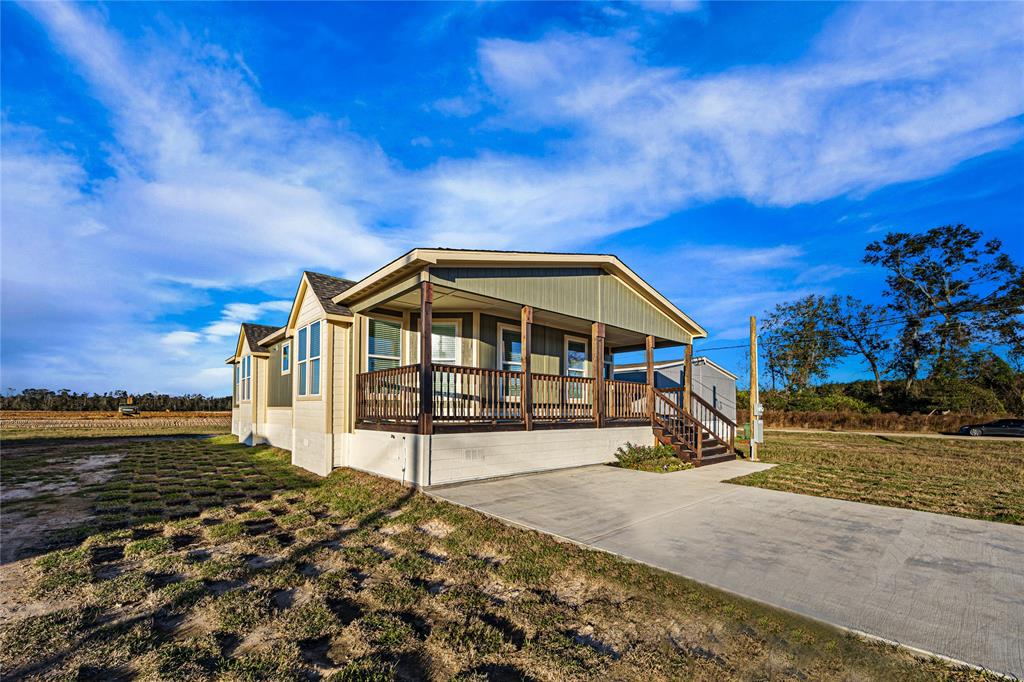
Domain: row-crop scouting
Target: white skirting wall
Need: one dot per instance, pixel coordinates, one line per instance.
(439, 459)
(278, 428)
(453, 457)
(241, 423)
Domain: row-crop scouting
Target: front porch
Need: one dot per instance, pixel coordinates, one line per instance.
(484, 363)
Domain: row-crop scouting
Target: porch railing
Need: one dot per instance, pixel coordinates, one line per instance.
(625, 400)
(475, 394)
(562, 398)
(471, 395)
(389, 395)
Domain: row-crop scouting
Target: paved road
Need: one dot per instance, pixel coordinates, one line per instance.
(942, 584)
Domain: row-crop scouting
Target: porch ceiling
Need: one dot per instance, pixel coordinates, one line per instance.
(450, 300)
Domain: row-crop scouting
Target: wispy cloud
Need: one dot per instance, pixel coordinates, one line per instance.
(209, 188)
(890, 93)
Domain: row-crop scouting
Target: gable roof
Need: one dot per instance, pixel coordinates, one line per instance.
(327, 288)
(417, 259)
(666, 364)
(254, 333)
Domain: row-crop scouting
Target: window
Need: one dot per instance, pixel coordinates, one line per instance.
(383, 344)
(286, 358)
(308, 364)
(510, 351)
(575, 356)
(445, 343)
(245, 384)
(714, 397)
(510, 358)
(575, 365)
(238, 394)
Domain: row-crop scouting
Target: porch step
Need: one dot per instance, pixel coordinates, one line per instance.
(715, 459)
(713, 451)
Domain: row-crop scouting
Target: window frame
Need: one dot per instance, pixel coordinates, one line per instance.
(366, 341)
(457, 321)
(586, 354)
(245, 383)
(499, 357)
(305, 367)
(286, 353)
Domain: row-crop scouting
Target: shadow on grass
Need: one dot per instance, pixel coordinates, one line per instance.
(98, 626)
(155, 479)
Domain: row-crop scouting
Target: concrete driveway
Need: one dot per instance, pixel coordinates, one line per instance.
(942, 584)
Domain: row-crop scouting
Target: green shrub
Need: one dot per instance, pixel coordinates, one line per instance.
(633, 456)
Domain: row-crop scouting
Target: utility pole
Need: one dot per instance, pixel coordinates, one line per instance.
(755, 418)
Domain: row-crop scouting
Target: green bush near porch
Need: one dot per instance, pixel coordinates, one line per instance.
(656, 458)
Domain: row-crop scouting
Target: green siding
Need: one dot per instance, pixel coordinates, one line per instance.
(586, 293)
(547, 345)
(279, 386)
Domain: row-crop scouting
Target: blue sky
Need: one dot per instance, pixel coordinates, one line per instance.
(169, 169)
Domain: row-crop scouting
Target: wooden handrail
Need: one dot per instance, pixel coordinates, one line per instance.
(718, 426)
(697, 399)
(679, 423)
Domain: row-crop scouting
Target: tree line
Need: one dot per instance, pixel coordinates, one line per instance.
(66, 401)
(949, 335)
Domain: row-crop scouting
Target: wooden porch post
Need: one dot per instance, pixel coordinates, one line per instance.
(597, 346)
(650, 378)
(688, 379)
(426, 358)
(526, 393)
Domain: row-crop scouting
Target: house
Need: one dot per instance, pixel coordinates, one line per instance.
(712, 382)
(515, 375)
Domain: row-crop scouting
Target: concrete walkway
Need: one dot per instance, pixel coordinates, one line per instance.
(942, 584)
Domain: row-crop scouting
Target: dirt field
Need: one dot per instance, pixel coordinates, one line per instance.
(21, 424)
(191, 558)
(978, 478)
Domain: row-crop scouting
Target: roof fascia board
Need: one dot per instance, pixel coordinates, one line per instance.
(293, 314)
(273, 337)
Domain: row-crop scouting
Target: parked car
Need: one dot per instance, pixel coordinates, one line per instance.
(1000, 427)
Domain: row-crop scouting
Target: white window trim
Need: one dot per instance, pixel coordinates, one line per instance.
(565, 355)
(291, 360)
(308, 362)
(245, 382)
(500, 355)
(366, 341)
(458, 337)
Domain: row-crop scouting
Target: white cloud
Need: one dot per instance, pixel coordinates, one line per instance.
(890, 93)
(669, 6)
(234, 314)
(180, 338)
(207, 185)
(207, 189)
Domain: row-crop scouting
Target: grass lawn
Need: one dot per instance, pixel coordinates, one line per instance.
(979, 479)
(203, 559)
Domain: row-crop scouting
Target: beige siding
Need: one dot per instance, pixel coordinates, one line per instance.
(259, 393)
(312, 449)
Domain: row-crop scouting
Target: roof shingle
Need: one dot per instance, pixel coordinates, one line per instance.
(327, 287)
(255, 332)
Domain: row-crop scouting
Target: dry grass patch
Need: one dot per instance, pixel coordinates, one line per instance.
(357, 578)
(979, 479)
